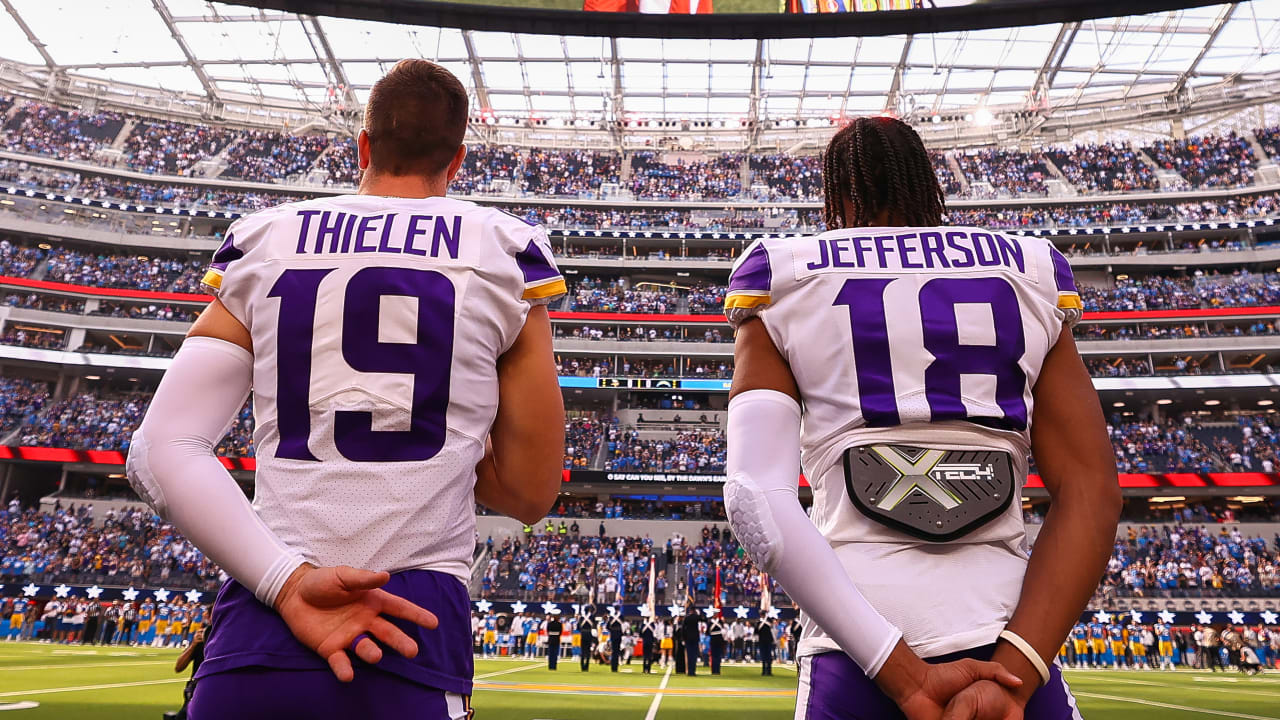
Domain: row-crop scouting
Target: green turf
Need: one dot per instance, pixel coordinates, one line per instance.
(146, 686)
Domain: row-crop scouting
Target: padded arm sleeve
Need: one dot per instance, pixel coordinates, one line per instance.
(764, 510)
(173, 467)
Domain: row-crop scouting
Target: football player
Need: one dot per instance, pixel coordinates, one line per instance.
(1080, 643)
(927, 363)
(399, 351)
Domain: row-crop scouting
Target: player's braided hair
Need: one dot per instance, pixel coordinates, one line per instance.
(880, 164)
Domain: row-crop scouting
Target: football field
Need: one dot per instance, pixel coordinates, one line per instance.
(54, 681)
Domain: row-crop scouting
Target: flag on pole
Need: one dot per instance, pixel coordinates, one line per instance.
(766, 595)
(622, 583)
(688, 584)
(718, 602)
(652, 601)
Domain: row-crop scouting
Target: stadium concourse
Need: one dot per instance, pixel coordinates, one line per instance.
(1148, 155)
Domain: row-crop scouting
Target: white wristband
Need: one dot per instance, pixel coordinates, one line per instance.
(1025, 648)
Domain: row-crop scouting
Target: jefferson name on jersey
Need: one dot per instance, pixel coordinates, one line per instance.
(913, 250)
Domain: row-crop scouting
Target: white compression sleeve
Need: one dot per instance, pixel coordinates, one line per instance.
(764, 509)
(172, 465)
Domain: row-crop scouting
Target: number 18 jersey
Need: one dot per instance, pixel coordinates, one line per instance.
(919, 339)
(377, 324)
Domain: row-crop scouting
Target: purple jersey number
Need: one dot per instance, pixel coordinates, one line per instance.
(428, 360)
(952, 359)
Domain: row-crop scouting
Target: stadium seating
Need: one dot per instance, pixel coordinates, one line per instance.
(266, 156)
(64, 134)
(124, 548)
(1157, 292)
(1183, 561)
(1105, 168)
(713, 179)
(566, 173)
(1007, 171)
(1209, 161)
(171, 148)
(701, 451)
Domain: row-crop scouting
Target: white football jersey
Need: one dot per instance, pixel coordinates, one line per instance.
(377, 324)
(923, 337)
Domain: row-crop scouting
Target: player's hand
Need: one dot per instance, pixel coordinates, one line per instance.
(922, 691)
(328, 608)
(984, 700)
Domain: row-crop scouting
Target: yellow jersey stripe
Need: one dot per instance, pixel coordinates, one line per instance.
(738, 300)
(555, 287)
(1069, 301)
(213, 279)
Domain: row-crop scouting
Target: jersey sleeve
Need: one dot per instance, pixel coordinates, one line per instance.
(1068, 298)
(543, 282)
(750, 285)
(230, 276)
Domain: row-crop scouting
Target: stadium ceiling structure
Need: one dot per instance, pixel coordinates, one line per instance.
(228, 55)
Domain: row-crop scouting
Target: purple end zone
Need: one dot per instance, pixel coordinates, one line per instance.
(244, 633)
(753, 273)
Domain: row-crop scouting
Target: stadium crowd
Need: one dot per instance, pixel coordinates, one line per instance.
(571, 566)
(712, 179)
(1105, 168)
(67, 545)
(1209, 161)
(1193, 561)
(694, 451)
(1007, 171)
(174, 148)
(1159, 292)
(640, 333)
(567, 173)
(599, 295)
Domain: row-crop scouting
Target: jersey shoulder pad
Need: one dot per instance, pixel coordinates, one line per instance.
(242, 235)
(750, 284)
(526, 242)
(1066, 296)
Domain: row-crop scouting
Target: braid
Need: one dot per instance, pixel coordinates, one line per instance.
(877, 166)
(896, 199)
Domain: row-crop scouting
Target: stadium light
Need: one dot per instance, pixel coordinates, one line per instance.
(983, 117)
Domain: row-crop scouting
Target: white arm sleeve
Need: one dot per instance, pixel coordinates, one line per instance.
(763, 505)
(173, 467)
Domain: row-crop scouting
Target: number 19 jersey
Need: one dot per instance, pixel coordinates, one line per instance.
(377, 324)
(919, 346)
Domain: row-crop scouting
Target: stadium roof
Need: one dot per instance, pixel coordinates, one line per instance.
(238, 55)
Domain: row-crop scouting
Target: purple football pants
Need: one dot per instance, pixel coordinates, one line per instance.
(833, 687)
(260, 694)
(254, 668)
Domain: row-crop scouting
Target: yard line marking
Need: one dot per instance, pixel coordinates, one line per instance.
(84, 665)
(1229, 691)
(109, 686)
(657, 697)
(508, 671)
(1184, 708)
